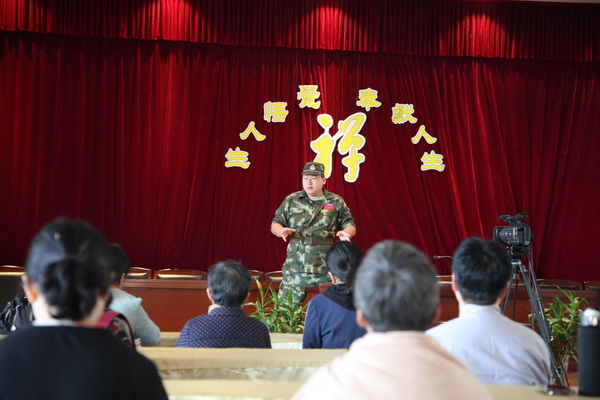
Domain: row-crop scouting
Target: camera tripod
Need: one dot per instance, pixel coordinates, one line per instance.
(537, 307)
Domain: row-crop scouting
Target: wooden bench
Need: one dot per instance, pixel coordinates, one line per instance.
(245, 364)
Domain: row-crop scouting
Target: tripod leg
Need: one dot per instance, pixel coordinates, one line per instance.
(514, 279)
(537, 309)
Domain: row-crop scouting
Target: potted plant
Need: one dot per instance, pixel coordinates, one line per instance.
(280, 316)
(563, 321)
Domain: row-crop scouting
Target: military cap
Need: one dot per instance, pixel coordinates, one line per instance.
(313, 168)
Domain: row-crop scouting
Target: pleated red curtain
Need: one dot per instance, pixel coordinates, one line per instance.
(132, 134)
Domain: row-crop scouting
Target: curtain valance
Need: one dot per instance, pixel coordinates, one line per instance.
(424, 28)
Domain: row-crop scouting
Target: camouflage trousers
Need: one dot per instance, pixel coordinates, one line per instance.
(297, 282)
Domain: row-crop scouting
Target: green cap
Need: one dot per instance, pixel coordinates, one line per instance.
(313, 168)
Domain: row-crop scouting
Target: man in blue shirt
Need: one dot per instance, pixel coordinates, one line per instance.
(498, 350)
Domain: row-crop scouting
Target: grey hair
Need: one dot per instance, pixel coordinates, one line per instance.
(396, 288)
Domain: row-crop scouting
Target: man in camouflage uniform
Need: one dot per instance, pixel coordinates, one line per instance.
(312, 218)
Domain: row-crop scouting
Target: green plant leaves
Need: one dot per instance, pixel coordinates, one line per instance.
(280, 315)
(563, 321)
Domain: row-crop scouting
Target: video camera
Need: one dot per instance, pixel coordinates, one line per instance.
(517, 234)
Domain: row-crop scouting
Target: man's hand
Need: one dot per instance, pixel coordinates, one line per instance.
(281, 231)
(345, 236)
(285, 232)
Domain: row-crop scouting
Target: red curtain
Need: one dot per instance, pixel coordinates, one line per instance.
(132, 134)
(480, 28)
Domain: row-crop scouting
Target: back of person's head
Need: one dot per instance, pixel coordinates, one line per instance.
(343, 259)
(229, 283)
(119, 262)
(481, 270)
(396, 288)
(67, 260)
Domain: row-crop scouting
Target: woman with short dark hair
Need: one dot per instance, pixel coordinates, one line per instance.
(63, 355)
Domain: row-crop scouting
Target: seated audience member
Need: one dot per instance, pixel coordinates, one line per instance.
(397, 298)
(497, 349)
(331, 316)
(128, 305)
(62, 356)
(226, 324)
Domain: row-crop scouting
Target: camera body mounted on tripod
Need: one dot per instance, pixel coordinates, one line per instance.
(517, 235)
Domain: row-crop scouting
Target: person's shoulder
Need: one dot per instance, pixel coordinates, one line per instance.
(517, 328)
(320, 300)
(14, 339)
(345, 376)
(255, 322)
(295, 195)
(333, 197)
(116, 292)
(199, 319)
(444, 330)
(255, 325)
(330, 195)
(321, 304)
(119, 296)
(34, 335)
(292, 198)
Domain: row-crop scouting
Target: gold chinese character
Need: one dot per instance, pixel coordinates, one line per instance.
(352, 161)
(237, 158)
(422, 133)
(251, 129)
(275, 112)
(432, 161)
(367, 99)
(350, 141)
(308, 95)
(402, 113)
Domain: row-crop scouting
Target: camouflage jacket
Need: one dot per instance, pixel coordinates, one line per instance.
(320, 219)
